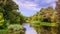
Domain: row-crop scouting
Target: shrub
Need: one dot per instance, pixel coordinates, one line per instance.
(15, 29)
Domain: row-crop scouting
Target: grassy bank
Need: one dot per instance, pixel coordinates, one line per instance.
(4, 31)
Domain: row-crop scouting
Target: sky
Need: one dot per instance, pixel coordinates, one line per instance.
(30, 7)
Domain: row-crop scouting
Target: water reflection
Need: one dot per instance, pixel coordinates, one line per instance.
(29, 30)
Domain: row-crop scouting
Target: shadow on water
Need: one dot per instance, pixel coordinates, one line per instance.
(29, 30)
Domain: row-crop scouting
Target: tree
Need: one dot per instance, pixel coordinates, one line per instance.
(22, 19)
(58, 14)
(44, 20)
(58, 9)
(9, 8)
(2, 21)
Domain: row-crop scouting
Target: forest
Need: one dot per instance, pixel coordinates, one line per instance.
(45, 21)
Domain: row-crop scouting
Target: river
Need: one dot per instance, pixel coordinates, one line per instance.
(29, 30)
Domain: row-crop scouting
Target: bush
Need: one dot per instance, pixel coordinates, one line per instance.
(15, 29)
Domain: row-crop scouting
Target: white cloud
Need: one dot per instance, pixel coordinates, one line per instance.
(48, 1)
(27, 5)
(31, 5)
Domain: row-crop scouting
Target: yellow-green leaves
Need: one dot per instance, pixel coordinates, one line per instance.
(1, 19)
(1, 16)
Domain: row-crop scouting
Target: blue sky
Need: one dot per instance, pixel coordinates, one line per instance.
(30, 7)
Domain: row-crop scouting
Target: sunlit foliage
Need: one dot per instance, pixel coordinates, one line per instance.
(44, 20)
(9, 14)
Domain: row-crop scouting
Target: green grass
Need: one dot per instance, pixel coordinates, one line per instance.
(39, 23)
(4, 31)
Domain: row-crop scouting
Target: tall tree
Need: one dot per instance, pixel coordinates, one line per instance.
(58, 14)
(9, 9)
(58, 10)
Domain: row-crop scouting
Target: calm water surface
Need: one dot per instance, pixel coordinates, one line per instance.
(29, 30)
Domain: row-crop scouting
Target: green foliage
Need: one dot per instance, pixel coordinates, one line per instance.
(15, 29)
(22, 19)
(9, 9)
(45, 17)
(40, 24)
(1, 16)
(15, 26)
(13, 17)
(10, 15)
(2, 21)
(44, 13)
(4, 31)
